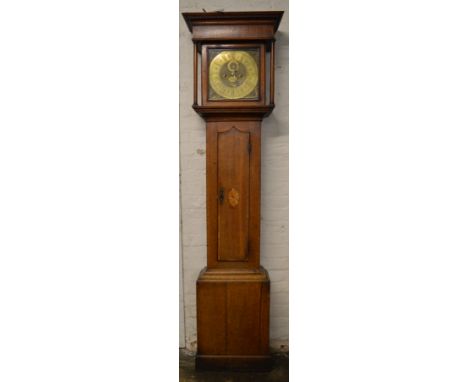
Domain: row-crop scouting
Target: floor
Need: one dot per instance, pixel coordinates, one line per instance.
(187, 373)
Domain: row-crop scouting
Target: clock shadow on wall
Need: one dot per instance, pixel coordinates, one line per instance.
(234, 90)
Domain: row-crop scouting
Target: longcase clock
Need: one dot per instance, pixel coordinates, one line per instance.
(234, 79)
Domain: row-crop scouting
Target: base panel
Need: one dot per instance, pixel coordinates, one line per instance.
(233, 320)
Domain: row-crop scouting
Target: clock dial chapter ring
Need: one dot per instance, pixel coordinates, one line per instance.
(233, 74)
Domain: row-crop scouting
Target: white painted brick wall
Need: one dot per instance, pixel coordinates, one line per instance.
(275, 163)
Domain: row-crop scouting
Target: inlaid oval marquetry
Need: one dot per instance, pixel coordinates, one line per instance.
(233, 197)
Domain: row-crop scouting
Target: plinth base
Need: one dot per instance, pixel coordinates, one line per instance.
(233, 319)
(233, 362)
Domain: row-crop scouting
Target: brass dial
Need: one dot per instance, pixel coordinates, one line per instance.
(233, 74)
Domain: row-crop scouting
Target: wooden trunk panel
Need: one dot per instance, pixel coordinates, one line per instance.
(211, 318)
(243, 318)
(233, 183)
(233, 164)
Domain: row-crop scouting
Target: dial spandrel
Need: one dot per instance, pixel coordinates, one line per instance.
(233, 74)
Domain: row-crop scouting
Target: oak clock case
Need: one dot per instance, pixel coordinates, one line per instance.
(233, 51)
